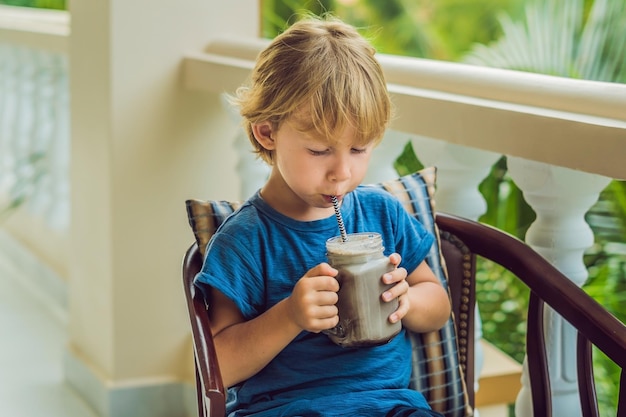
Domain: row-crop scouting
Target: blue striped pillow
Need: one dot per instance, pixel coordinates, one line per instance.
(436, 366)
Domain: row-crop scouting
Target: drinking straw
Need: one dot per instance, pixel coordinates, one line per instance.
(342, 228)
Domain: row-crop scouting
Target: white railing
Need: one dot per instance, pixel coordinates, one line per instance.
(34, 113)
(564, 140)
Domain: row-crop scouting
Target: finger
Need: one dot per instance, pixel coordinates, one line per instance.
(395, 259)
(324, 324)
(401, 311)
(323, 317)
(324, 283)
(396, 291)
(327, 298)
(327, 312)
(396, 275)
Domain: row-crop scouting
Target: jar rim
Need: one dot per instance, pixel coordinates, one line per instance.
(356, 243)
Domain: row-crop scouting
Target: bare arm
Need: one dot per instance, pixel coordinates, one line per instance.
(424, 304)
(245, 347)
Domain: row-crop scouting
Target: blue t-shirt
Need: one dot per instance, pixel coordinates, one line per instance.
(255, 259)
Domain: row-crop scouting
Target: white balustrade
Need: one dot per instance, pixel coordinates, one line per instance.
(560, 198)
(34, 135)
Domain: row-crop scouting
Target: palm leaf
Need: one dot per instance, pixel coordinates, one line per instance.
(554, 39)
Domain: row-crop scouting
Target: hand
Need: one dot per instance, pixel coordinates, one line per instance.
(399, 290)
(312, 303)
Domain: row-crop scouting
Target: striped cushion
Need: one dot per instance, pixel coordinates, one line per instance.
(436, 368)
(205, 216)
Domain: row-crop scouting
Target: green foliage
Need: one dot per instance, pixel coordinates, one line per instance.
(440, 29)
(506, 208)
(562, 38)
(503, 302)
(407, 162)
(278, 14)
(40, 4)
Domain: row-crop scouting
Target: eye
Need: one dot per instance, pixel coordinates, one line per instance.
(318, 153)
(359, 150)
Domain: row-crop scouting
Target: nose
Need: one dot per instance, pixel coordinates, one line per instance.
(340, 169)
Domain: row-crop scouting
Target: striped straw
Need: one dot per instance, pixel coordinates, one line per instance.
(342, 228)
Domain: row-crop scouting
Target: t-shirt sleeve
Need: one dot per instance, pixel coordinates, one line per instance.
(231, 268)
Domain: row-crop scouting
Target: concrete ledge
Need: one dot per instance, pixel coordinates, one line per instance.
(137, 398)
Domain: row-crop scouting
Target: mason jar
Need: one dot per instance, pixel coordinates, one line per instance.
(363, 315)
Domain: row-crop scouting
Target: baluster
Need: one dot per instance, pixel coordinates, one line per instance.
(22, 126)
(460, 170)
(560, 198)
(252, 171)
(58, 216)
(6, 75)
(8, 116)
(40, 200)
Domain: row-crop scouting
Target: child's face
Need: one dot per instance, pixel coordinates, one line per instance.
(312, 168)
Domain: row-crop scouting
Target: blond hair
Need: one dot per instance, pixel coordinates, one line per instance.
(325, 68)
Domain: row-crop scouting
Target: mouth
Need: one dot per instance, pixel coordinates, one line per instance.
(328, 198)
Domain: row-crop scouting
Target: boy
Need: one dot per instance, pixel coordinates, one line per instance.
(316, 107)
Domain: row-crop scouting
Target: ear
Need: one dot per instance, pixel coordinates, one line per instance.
(263, 134)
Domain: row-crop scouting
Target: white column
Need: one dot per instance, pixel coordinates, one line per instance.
(560, 198)
(141, 146)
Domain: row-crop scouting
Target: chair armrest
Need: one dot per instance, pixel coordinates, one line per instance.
(571, 302)
(548, 285)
